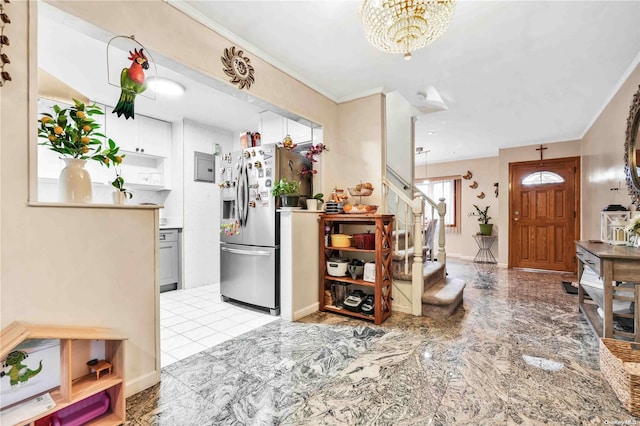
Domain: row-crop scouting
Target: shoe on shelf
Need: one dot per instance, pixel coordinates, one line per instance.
(368, 305)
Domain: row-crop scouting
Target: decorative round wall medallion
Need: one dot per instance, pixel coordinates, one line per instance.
(237, 67)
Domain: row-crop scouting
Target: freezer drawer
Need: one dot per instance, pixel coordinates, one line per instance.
(251, 274)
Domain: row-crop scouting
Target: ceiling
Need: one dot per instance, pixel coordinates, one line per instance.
(511, 73)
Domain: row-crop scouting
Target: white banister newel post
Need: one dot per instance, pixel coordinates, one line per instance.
(442, 255)
(417, 267)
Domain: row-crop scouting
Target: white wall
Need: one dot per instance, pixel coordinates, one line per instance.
(485, 172)
(201, 233)
(174, 204)
(399, 137)
(603, 158)
(514, 155)
(358, 155)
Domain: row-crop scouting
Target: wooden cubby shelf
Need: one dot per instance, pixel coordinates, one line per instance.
(74, 389)
(381, 255)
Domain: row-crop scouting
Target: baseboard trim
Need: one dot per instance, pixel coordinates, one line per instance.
(401, 308)
(308, 310)
(141, 383)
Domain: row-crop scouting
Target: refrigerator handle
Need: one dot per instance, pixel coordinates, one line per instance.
(238, 200)
(249, 252)
(246, 196)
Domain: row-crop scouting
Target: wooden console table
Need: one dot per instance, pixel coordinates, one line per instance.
(610, 263)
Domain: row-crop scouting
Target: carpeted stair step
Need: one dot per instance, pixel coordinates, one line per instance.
(431, 271)
(440, 300)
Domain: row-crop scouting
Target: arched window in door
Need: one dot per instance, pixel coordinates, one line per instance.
(542, 178)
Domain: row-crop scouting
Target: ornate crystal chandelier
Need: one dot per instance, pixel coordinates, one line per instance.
(402, 26)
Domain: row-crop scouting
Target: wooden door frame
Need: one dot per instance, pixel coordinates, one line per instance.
(577, 192)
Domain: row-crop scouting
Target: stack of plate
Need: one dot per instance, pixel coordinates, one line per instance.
(332, 207)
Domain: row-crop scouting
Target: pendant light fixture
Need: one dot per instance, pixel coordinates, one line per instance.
(403, 26)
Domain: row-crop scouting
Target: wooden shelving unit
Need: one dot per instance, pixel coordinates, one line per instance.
(382, 255)
(73, 390)
(612, 264)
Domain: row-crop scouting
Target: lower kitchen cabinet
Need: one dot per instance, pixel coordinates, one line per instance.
(380, 258)
(169, 260)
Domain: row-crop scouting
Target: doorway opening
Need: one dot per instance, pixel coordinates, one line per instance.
(544, 214)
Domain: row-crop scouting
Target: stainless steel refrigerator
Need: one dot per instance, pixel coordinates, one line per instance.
(250, 224)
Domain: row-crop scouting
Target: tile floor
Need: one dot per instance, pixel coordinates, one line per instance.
(517, 353)
(196, 319)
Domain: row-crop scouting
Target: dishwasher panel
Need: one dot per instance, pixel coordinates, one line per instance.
(169, 260)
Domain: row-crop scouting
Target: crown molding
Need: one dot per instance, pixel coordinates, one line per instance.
(236, 39)
(364, 94)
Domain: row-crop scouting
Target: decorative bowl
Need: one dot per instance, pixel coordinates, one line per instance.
(364, 192)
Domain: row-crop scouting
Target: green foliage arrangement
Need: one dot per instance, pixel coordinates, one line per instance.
(483, 215)
(118, 183)
(319, 196)
(633, 227)
(72, 132)
(285, 187)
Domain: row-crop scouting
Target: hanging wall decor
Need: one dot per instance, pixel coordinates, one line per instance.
(4, 41)
(481, 195)
(129, 72)
(237, 67)
(468, 176)
(474, 185)
(496, 190)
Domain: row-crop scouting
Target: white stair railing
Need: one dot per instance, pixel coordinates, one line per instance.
(410, 219)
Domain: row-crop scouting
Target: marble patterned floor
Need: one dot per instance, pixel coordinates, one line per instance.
(516, 353)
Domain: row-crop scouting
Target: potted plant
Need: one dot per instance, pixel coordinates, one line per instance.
(121, 194)
(288, 191)
(71, 132)
(314, 202)
(486, 228)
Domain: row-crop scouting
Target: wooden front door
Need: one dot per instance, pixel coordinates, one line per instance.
(543, 214)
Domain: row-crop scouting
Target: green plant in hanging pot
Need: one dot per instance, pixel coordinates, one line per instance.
(288, 191)
(486, 228)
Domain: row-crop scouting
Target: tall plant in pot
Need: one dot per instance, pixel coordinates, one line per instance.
(486, 228)
(72, 133)
(288, 191)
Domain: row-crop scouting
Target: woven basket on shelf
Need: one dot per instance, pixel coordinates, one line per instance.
(620, 365)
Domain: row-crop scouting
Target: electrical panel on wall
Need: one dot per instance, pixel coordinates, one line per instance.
(203, 167)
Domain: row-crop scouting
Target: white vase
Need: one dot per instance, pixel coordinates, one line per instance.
(75, 182)
(312, 204)
(119, 197)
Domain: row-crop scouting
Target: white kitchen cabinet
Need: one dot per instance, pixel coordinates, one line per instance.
(299, 132)
(274, 128)
(143, 135)
(154, 137)
(169, 260)
(123, 132)
(146, 144)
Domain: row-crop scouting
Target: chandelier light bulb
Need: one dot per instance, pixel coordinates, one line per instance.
(403, 26)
